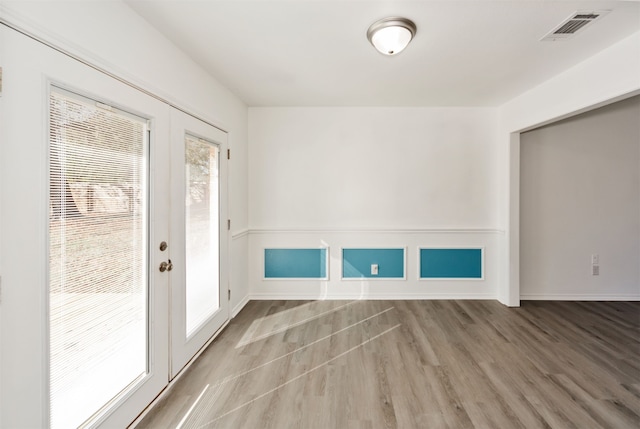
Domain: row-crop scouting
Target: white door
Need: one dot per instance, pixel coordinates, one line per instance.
(85, 203)
(113, 241)
(199, 235)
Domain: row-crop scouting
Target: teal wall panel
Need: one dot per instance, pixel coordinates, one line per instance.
(356, 263)
(295, 263)
(451, 263)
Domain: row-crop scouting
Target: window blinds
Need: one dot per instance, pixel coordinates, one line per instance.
(97, 254)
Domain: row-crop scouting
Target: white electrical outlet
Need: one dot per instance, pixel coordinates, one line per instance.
(595, 259)
(374, 269)
(595, 270)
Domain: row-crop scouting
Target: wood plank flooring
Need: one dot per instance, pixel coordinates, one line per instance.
(414, 364)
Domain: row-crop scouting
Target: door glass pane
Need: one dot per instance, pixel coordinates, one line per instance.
(98, 255)
(202, 262)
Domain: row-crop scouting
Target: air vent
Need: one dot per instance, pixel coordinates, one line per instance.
(576, 22)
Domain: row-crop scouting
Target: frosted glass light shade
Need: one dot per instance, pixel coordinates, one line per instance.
(391, 35)
(391, 40)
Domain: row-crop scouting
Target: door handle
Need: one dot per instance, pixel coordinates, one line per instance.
(166, 266)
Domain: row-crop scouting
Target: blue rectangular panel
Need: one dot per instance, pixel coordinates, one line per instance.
(295, 263)
(451, 263)
(356, 263)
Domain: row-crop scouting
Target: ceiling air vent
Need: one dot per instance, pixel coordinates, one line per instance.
(570, 26)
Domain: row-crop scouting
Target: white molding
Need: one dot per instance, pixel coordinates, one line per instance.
(372, 296)
(578, 297)
(431, 279)
(239, 234)
(356, 230)
(238, 308)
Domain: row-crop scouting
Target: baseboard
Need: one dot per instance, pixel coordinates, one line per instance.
(377, 296)
(355, 230)
(235, 310)
(577, 297)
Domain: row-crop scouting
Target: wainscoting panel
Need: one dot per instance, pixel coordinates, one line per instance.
(279, 268)
(357, 263)
(450, 263)
(295, 263)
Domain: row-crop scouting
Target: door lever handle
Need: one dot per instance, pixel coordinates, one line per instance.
(166, 266)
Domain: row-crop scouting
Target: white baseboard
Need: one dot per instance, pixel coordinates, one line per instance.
(356, 230)
(377, 296)
(235, 310)
(577, 297)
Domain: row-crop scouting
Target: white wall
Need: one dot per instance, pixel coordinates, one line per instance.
(611, 75)
(112, 36)
(363, 176)
(372, 167)
(580, 195)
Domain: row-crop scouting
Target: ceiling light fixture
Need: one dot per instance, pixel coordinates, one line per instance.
(391, 35)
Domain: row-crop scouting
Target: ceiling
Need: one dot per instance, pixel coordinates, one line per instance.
(316, 53)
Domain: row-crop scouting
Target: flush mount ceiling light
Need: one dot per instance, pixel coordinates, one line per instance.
(391, 35)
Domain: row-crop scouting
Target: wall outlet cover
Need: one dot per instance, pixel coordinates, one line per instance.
(374, 269)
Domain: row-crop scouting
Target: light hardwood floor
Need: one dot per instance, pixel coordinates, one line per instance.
(414, 364)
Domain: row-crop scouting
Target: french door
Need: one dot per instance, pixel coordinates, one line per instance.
(101, 296)
(112, 206)
(199, 302)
